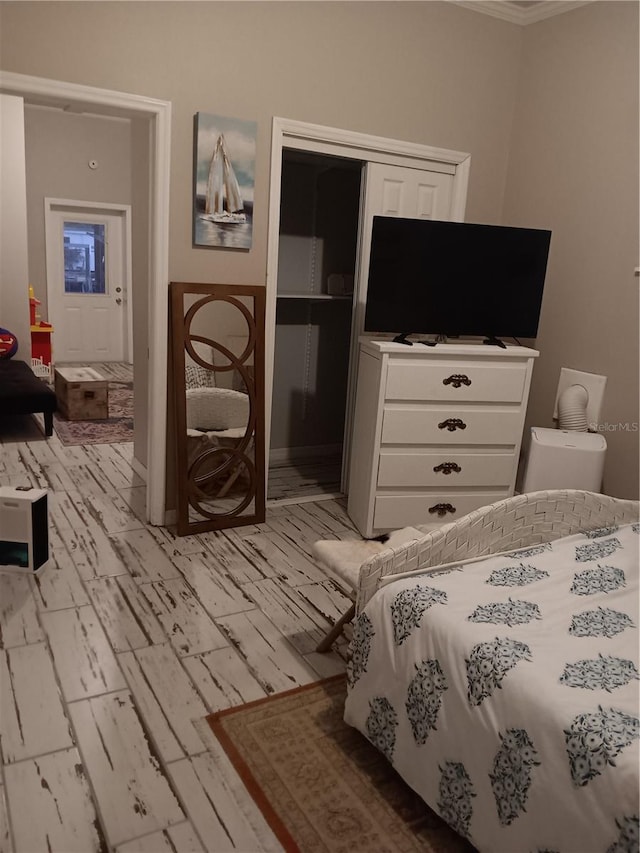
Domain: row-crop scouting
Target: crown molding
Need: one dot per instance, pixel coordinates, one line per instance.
(523, 15)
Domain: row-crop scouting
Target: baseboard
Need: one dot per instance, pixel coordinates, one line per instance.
(286, 454)
(303, 499)
(139, 468)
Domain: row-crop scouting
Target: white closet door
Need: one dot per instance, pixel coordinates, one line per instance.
(397, 191)
(413, 193)
(390, 191)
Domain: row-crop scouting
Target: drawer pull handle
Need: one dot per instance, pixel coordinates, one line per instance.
(457, 379)
(452, 424)
(448, 467)
(441, 509)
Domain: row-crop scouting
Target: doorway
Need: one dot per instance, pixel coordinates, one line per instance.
(318, 235)
(153, 122)
(395, 179)
(88, 258)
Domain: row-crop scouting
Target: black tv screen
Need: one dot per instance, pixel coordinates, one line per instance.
(455, 278)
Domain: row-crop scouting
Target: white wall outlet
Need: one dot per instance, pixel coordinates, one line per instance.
(595, 385)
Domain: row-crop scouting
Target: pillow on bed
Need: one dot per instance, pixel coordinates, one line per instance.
(8, 344)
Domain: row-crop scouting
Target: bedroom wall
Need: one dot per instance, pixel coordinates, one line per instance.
(547, 130)
(573, 168)
(430, 72)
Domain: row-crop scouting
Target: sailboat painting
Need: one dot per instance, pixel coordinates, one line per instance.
(224, 166)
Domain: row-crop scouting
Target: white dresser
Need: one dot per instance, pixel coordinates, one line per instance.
(437, 431)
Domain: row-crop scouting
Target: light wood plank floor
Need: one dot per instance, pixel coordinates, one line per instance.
(304, 477)
(110, 660)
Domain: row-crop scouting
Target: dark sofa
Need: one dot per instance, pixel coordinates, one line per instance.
(22, 393)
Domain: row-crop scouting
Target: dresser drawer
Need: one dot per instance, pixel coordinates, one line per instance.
(444, 469)
(394, 511)
(455, 380)
(448, 425)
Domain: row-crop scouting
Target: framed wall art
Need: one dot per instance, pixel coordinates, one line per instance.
(224, 177)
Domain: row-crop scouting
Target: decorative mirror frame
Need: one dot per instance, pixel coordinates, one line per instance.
(190, 497)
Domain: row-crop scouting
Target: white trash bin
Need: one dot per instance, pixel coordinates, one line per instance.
(563, 459)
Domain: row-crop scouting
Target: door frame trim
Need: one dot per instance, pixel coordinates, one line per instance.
(302, 136)
(64, 204)
(40, 90)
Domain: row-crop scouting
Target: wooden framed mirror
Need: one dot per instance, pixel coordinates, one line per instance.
(217, 337)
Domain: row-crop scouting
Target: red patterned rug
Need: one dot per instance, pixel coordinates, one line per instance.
(320, 784)
(115, 429)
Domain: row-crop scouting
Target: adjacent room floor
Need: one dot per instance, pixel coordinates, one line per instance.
(111, 659)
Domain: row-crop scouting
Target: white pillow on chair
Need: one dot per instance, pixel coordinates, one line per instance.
(344, 557)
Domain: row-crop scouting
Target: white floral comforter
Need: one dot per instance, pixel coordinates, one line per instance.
(505, 692)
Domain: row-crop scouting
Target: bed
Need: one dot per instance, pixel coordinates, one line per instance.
(495, 663)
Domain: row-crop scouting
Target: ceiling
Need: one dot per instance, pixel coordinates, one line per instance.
(521, 11)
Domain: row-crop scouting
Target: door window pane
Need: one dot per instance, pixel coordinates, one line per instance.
(84, 257)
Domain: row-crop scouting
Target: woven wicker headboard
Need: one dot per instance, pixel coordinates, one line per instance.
(506, 525)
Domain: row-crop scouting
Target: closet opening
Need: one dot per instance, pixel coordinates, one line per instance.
(318, 234)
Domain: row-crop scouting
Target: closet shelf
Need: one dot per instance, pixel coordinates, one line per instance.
(314, 296)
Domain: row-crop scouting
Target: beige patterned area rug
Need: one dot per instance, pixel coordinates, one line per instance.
(117, 428)
(319, 783)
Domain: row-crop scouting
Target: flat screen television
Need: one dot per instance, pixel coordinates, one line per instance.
(455, 278)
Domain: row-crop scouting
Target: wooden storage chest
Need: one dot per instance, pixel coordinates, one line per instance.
(82, 394)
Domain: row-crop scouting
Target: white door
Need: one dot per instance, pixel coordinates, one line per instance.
(389, 191)
(396, 191)
(88, 281)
